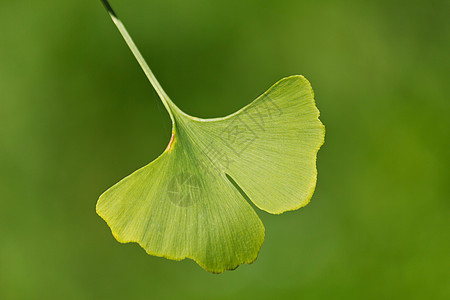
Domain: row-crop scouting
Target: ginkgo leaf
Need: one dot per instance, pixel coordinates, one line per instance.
(188, 203)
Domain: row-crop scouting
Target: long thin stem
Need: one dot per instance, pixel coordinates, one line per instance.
(137, 54)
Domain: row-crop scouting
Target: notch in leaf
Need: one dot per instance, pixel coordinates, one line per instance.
(186, 203)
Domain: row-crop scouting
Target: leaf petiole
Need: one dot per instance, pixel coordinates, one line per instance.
(168, 104)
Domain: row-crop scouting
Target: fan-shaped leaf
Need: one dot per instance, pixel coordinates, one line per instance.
(185, 203)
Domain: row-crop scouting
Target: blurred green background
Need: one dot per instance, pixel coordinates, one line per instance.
(77, 114)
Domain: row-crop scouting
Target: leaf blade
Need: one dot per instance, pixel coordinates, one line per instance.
(275, 138)
(215, 226)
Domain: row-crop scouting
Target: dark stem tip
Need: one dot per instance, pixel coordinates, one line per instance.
(109, 8)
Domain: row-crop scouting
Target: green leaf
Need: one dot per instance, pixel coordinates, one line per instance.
(187, 203)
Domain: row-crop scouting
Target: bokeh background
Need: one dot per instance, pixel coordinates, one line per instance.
(77, 114)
